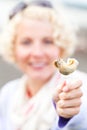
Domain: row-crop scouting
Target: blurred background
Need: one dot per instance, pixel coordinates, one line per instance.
(77, 11)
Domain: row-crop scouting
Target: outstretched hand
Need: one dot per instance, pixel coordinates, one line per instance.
(67, 98)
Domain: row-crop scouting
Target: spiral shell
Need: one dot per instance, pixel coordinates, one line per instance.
(68, 67)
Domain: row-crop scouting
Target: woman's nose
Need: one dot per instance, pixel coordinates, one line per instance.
(38, 49)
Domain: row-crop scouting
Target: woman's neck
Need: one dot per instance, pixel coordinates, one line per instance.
(33, 86)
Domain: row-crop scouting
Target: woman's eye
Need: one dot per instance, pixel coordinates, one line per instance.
(26, 42)
(46, 41)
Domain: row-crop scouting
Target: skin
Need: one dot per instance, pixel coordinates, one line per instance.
(34, 53)
(67, 98)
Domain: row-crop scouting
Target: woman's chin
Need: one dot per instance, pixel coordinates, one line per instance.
(40, 76)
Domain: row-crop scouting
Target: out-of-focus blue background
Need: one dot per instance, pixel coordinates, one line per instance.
(77, 13)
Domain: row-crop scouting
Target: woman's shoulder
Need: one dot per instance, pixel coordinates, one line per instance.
(9, 87)
(81, 75)
(6, 93)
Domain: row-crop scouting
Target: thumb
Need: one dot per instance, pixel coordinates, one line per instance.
(58, 90)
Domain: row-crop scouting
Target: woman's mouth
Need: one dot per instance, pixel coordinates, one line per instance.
(39, 65)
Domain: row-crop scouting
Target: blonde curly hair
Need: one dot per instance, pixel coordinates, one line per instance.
(64, 33)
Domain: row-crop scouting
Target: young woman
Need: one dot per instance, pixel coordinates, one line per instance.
(36, 35)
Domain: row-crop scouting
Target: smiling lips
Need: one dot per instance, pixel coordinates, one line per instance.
(38, 65)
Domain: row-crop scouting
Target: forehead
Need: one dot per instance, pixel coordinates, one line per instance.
(35, 27)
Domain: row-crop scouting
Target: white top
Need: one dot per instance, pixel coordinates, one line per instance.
(43, 115)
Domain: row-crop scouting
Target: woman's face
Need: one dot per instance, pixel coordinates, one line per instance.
(35, 50)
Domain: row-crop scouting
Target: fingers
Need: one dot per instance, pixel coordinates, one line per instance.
(75, 93)
(58, 91)
(68, 112)
(69, 103)
(72, 85)
(68, 91)
(68, 98)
